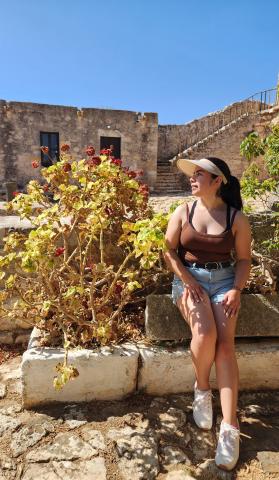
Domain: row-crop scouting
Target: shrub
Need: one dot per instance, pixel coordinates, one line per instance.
(95, 250)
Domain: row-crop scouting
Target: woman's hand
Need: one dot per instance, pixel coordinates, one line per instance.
(231, 302)
(194, 289)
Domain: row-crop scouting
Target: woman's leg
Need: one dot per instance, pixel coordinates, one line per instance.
(226, 364)
(201, 320)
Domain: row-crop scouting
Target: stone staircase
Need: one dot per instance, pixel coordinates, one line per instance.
(169, 179)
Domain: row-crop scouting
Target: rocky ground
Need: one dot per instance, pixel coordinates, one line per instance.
(139, 438)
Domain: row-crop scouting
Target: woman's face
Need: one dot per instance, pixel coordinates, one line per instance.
(202, 183)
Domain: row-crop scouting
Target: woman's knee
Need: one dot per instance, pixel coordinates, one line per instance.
(225, 349)
(204, 338)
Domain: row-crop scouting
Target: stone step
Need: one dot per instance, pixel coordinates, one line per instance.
(258, 363)
(258, 316)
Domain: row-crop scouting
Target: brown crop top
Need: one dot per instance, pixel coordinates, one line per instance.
(195, 246)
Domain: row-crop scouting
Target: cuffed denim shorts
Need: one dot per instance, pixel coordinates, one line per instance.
(215, 282)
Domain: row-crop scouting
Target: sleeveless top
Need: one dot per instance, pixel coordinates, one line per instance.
(200, 247)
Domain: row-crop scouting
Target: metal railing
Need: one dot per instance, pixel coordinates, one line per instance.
(256, 103)
(266, 98)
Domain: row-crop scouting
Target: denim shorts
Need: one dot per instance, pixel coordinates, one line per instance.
(215, 282)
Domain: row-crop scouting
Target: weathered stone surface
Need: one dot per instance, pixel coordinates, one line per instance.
(8, 423)
(171, 420)
(175, 367)
(103, 374)
(10, 409)
(6, 338)
(6, 463)
(66, 446)
(137, 449)
(87, 470)
(203, 443)
(269, 461)
(2, 390)
(209, 469)
(74, 417)
(173, 455)
(94, 438)
(28, 436)
(10, 370)
(258, 316)
(179, 475)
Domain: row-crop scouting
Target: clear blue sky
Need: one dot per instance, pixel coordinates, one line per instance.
(180, 58)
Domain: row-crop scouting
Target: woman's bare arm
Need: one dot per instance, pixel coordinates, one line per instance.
(242, 249)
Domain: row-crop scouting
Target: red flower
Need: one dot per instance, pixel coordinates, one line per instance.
(143, 189)
(109, 211)
(116, 161)
(105, 151)
(139, 173)
(94, 161)
(90, 150)
(118, 289)
(67, 167)
(132, 174)
(45, 149)
(59, 251)
(35, 164)
(15, 194)
(45, 187)
(65, 147)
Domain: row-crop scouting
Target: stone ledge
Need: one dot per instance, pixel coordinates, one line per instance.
(112, 373)
(104, 374)
(258, 317)
(165, 371)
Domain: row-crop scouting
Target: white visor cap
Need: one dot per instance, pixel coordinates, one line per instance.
(188, 167)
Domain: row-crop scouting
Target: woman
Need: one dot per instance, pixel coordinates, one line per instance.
(201, 237)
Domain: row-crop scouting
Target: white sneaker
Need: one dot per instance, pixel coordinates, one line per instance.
(227, 452)
(202, 408)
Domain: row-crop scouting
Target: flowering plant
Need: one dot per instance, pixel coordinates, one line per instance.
(95, 251)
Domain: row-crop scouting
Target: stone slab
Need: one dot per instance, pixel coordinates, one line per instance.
(167, 371)
(258, 317)
(104, 374)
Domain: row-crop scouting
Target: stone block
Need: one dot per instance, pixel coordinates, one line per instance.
(6, 338)
(104, 374)
(258, 317)
(166, 371)
(23, 337)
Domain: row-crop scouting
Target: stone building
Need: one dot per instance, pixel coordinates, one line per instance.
(137, 138)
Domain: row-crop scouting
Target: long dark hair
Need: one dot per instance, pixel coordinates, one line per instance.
(229, 192)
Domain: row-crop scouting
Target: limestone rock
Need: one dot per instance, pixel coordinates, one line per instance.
(8, 423)
(94, 438)
(269, 461)
(87, 470)
(27, 437)
(179, 475)
(66, 446)
(210, 470)
(172, 455)
(2, 390)
(172, 420)
(137, 449)
(74, 417)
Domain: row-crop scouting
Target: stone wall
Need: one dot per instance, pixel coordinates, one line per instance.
(21, 124)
